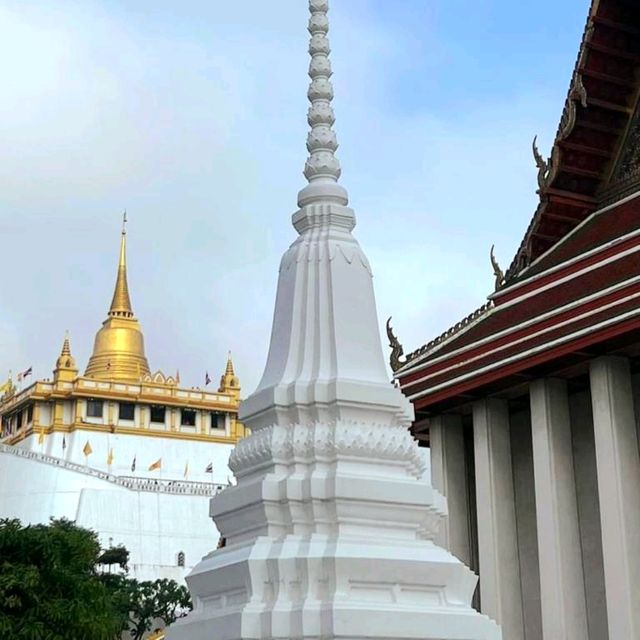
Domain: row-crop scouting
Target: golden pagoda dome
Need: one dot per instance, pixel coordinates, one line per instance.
(118, 350)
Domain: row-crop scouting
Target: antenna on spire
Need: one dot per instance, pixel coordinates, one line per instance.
(124, 222)
(322, 168)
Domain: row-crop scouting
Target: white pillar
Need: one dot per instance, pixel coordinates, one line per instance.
(449, 476)
(618, 465)
(525, 497)
(584, 469)
(561, 578)
(500, 592)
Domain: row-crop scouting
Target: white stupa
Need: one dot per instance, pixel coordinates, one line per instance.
(329, 530)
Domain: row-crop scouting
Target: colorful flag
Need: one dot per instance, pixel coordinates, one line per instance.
(64, 443)
(133, 464)
(41, 436)
(186, 469)
(156, 465)
(110, 457)
(24, 374)
(209, 468)
(207, 379)
(87, 450)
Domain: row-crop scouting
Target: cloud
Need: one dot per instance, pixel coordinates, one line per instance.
(192, 117)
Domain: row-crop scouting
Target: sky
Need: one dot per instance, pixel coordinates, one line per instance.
(192, 117)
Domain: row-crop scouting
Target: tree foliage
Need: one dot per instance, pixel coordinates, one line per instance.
(163, 599)
(53, 586)
(49, 589)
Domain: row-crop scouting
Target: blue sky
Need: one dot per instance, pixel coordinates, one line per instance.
(191, 116)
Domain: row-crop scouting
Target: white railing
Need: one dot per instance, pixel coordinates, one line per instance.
(176, 487)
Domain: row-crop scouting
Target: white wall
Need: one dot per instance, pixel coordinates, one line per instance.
(153, 526)
(175, 453)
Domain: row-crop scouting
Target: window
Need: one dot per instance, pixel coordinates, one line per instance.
(126, 411)
(181, 559)
(94, 408)
(188, 418)
(158, 414)
(29, 413)
(217, 420)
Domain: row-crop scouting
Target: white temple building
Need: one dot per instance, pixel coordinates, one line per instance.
(330, 529)
(123, 451)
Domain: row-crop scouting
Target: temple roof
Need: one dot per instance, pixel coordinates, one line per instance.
(549, 324)
(594, 161)
(589, 163)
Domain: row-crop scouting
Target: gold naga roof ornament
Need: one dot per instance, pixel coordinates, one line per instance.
(542, 164)
(497, 271)
(118, 352)
(397, 351)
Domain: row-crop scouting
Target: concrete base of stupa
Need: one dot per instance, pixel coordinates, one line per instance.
(336, 542)
(321, 587)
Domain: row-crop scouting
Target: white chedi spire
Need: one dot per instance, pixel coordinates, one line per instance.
(322, 168)
(325, 357)
(330, 528)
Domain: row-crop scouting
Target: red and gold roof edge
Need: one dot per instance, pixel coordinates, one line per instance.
(599, 108)
(565, 206)
(590, 297)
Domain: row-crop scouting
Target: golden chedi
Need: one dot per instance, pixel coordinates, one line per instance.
(118, 351)
(130, 454)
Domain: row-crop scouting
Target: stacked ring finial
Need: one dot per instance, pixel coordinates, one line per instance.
(322, 142)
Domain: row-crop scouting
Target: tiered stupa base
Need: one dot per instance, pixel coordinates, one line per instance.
(329, 535)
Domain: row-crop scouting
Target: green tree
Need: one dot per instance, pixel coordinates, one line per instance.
(161, 600)
(49, 586)
(55, 585)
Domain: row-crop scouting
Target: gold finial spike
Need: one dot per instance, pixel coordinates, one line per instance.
(66, 347)
(121, 303)
(229, 370)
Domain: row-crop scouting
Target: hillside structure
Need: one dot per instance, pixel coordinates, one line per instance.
(329, 530)
(126, 452)
(531, 404)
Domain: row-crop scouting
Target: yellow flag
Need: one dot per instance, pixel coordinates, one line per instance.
(41, 436)
(186, 469)
(156, 465)
(87, 450)
(110, 457)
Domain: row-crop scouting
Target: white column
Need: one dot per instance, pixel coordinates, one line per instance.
(525, 497)
(500, 591)
(618, 465)
(584, 468)
(563, 605)
(449, 476)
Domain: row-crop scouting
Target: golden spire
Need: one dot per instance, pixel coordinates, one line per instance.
(121, 303)
(66, 369)
(229, 371)
(66, 347)
(118, 351)
(229, 382)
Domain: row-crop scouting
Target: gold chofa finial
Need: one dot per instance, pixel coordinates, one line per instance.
(497, 271)
(121, 303)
